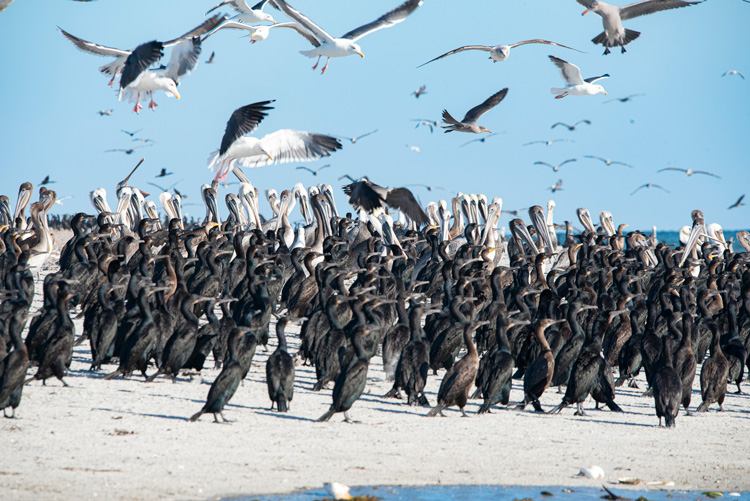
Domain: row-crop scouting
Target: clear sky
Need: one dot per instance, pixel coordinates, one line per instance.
(688, 116)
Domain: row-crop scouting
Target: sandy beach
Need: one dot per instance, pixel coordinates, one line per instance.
(126, 439)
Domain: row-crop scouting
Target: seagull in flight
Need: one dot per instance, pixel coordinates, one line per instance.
(733, 72)
(164, 173)
(498, 53)
(421, 90)
(143, 140)
(575, 85)
(623, 99)
(738, 203)
(427, 187)
(649, 185)
(131, 134)
(608, 161)
(328, 46)
(59, 201)
(481, 139)
(355, 139)
(211, 58)
(415, 149)
(245, 13)
(556, 168)
(557, 187)
(469, 122)
(313, 172)
(167, 189)
(571, 127)
(105, 113)
(46, 180)
(549, 142)
(690, 172)
(429, 123)
(127, 151)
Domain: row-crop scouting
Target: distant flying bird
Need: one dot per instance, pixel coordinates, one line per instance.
(164, 173)
(46, 181)
(421, 90)
(131, 134)
(59, 201)
(166, 189)
(328, 46)
(498, 52)
(355, 139)
(370, 196)
(556, 168)
(211, 58)
(614, 33)
(575, 85)
(733, 72)
(571, 127)
(177, 192)
(415, 149)
(608, 161)
(313, 172)
(649, 185)
(245, 13)
(623, 99)
(142, 140)
(556, 187)
(469, 122)
(282, 146)
(549, 142)
(429, 123)
(127, 151)
(738, 203)
(690, 172)
(426, 187)
(481, 139)
(258, 33)
(105, 113)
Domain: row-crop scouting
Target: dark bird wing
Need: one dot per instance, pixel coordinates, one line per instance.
(361, 194)
(737, 203)
(594, 79)
(485, 48)
(93, 48)
(308, 169)
(477, 111)
(568, 161)
(561, 123)
(584, 121)
(447, 118)
(403, 200)
(651, 6)
(640, 187)
(539, 40)
(385, 21)
(706, 173)
(157, 186)
(143, 57)
(545, 163)
(243, 121)
(184, 59)
(596, 158)
(206, 26)
(672, 168)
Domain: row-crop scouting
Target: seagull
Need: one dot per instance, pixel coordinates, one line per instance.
(415, 149)
(355, 139)
(328, 46)
(370, 196)
(738, 203)
(131, 134)
(549, 142)
(690, 172)
(469, 122)
(59, 201)
(313, 172)
(282, 146)
(421, 90)
(143, 140)
(733, 72)
(115, 68)
(623, 99)
(46, 181)
(211, 58)
(556, 187)
(608, 161)
(429, 123)
(481, 139)
(167, 189)
(498, 52)
(614, 33)
(574, 84)
(257, 33)
(556, 168)
(245, 13)
(127, 151)
(427, 187)
(164, 173)
(571, 127)
(649, 185)
(103, 113)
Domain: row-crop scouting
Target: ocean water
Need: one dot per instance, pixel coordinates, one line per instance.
(498, 493)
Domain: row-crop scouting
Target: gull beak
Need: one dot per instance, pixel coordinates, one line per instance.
(269, 156)
(361, 55)
(176, 94)
(274, 22)
(605, 92)
(488, 130)
(585, 12)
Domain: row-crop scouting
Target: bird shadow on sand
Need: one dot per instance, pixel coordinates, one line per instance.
(414, 411)
(284, 415)
(144, 414)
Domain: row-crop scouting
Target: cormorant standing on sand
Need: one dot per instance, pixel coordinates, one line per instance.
(280, 371)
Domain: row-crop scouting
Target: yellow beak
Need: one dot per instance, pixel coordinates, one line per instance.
(362, 55)
(605, 92)
(176, 94)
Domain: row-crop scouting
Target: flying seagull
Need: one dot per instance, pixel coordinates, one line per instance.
(257, 33)
(105, 113)
(556, 168)
(282, 146)
(498, 52)
(427, 187)
(313, 172)
(131, 134)
(690, 172)
(46, 180)
(421, 90)
(370, 196)
(608, 161)
(614, 33)
(357, 138)
(469, 122)
(481, 139)
(557, 187)
(429, 123)
(575, 85)
(623, 99)
(733, 72)
(211, 58)
(164, 173)
(415, 149)
(245, 13)
(548, 142)
(127, 151)
(571, 127)
(328, 46)
(738, 203)
(649, 185)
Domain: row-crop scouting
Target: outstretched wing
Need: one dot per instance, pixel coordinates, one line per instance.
(143, 57)
(206, 26)
(362, 195)
(318, 32)
(473, 114)
(651, 6)
(184, 59)
(287, 145)
(243, 121)
(542, 41)
(485, 48)
(570, 72)
(403, 200)
(594, 79)
(385, 21)
(93, 48)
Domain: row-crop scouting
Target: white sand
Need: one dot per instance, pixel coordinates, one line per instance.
(131, 440)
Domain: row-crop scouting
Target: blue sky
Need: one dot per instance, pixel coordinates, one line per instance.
(688, 117)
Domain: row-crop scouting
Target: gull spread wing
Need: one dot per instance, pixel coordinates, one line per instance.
(485, 48)
(570, 72)
(93, 48)
(184, 59)
(288, 145)
(385, 21)
(206, 26)
(243, 121)
(594, 79)
(301, 19)
(651, 6)
(542, 41)
(477, 111)
(142, 57)
(238, 5)
(299, 29)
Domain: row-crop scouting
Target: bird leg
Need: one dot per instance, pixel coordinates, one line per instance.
(622, 49)
(606, 51)
(152, 104)
(463, 413)
(349, 420)
(137, 106)
(221, 413)
(112, 81)
(316, 63)
(579, 412)
(562, 96)
(326, 66)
